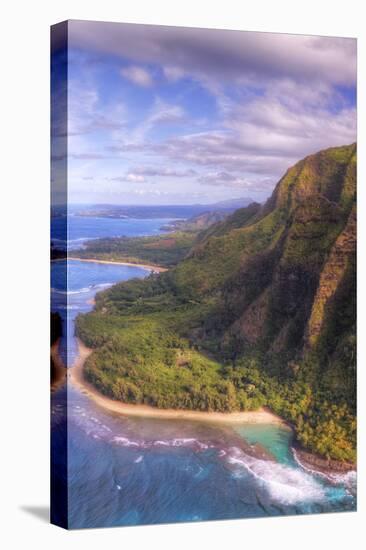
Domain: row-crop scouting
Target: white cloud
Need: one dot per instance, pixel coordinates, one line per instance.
(164, 172)
(223, 55)
(173, 74)
(267, 134)
(138, 76)
(135, 178)
(227, 179)
(162, 113)
(130, 177)
(276, 100)
(138, 174)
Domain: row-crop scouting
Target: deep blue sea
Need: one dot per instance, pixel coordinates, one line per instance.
(83, 228)
(129, 471)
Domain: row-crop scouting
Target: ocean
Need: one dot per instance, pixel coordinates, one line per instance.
(83, 228)
(130, 471)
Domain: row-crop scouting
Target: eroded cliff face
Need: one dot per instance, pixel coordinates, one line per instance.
(286, 264)
(339, 260)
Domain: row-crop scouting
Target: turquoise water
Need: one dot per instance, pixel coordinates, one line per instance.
(130, 471)
(276, 439)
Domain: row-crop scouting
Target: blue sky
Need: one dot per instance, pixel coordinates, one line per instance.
(168, 115)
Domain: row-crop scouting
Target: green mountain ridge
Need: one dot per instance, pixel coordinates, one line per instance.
(260, 312)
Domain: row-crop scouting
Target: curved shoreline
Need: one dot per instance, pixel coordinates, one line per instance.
(320, 465)
(156, 268)
(75, 376)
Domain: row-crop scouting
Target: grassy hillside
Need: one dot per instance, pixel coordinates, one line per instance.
(260, 311)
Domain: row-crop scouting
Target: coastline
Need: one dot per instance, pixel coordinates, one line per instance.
(75, 376)
(314, 463)
(156, 268)
(305, 459)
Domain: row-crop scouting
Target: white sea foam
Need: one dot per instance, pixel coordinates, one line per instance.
(80, 239)
(139, 459)
(283, 483)
(90, 423)
(176, 442)
(70, 292)
(125, 442)
(82, 290)
(348, 479)
(100, 286)
(181, 442)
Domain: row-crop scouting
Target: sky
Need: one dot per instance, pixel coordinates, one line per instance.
(168, 115)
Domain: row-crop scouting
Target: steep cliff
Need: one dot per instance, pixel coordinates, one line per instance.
(277, 279)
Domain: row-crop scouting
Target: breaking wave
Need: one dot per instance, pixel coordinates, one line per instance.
(283, 483)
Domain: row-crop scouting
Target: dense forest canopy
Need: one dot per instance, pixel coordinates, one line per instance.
(162, 250)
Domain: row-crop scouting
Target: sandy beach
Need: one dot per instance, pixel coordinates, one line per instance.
(75, 376)
(157, 269)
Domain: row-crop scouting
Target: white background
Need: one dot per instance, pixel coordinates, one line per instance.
(24, 290)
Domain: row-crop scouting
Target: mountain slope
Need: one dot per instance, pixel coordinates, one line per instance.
(261, 311)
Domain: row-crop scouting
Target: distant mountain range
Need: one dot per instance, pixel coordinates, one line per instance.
(198, 222)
